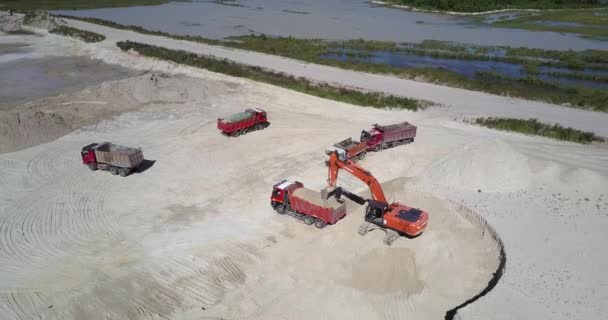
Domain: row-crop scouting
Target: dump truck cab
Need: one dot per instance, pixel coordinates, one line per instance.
(381, 137)
(88, 154)
(281, 191)
(259, 113)
(372, 138)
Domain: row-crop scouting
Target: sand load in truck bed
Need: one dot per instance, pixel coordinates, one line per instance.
(395, 127)
(314, 197)
(118, 155)
(238, 117)
(347, 144)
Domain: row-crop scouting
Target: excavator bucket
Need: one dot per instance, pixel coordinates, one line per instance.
(326, 193)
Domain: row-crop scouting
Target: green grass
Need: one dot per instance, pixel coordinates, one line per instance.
(145, 31)
(22, 32)
(323, 90)
(228, 3)
(311, 49)
(534, 127)
(591, 23)
(26, 5)
(487, 5)
(85, 36)
(533, 88)
(532, 68)
(441, 45)
(582, 59)
(580, 76)
(530, 88)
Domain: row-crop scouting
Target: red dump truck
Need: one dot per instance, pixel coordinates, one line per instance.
(354, 150)
(293, 199)
(243, 122)
(382, 137)
(112, 157)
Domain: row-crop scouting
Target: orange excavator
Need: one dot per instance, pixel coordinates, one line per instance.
(396, 219)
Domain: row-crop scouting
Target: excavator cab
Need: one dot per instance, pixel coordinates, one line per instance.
(375, 211)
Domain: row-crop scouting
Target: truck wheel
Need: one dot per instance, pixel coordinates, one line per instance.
(377, 148)
(92, 166)
(123, 172)
(320, 223)
(411, 140)
(114, 171)
(281, 209)
(362, 155)
(236, 133)
(308, 220)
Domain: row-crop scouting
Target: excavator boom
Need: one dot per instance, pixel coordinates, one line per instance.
(335, 164)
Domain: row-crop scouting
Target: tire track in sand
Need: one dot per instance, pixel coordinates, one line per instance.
(37, 232)
(50, 164)
(25, 306)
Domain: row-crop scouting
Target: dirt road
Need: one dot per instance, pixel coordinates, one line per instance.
(461, 102)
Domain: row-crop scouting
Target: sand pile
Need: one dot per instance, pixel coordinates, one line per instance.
(47, 119)
(29, 127)
(393, 270)
(585, 180)
(489, 165)
(315, 197)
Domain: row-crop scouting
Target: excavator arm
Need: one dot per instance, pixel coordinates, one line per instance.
(337, 161)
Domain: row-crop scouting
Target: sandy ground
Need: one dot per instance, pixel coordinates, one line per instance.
(33, 70)
(29, 79)
(461, 103)
(194, 237)
(196, 229)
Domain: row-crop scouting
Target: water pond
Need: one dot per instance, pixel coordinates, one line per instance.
(326, 19)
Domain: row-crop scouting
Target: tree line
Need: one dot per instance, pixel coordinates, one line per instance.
(485, 5)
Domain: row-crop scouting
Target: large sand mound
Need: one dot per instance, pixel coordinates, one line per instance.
(334, 273)
(46, 119)
(487, 165)
(393, 270)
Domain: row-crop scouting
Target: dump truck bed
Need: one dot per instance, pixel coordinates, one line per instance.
(395, 127)
(237, 121)
(118, 156)
(238, 117)
(352, 148)
(310, 202)
(347, 144)
(399, 131)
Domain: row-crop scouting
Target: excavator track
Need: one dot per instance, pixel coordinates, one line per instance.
(390, 237)
(365, 227)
